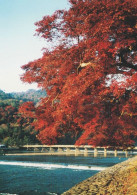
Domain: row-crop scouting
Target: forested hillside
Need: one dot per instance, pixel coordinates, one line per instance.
(15, 128)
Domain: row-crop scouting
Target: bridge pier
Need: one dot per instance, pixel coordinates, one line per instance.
(95, 152)
(126, 153)
(51, 150)
(67, 151)
(115, 153)
(36, 150)
(77, 151)
(105, 152)
(85, 152)
(44, 150)
(60, 149)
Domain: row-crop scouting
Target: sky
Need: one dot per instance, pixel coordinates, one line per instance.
(18, 45)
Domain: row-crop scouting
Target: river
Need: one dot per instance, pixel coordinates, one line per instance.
(47, 175)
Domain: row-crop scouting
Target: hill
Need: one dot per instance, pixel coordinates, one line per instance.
(15, 128)
(8, 99)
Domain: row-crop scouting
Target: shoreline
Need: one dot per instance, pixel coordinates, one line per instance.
(118, 179)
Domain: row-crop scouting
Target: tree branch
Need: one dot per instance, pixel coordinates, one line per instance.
(127, 65)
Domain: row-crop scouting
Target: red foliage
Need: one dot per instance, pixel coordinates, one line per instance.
(94, 39)
(27, 109)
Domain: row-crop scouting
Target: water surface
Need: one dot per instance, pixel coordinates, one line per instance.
(28, 175)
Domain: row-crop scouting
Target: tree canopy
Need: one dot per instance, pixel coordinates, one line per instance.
(15, 127)
(89, 74)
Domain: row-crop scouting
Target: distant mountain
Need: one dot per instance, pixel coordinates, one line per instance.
(30, 95)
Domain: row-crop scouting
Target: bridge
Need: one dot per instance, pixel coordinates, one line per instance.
(78, 150)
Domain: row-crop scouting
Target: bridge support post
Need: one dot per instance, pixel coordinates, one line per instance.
(44, 150)
(126, 153)
(95, 152)
(67, 151)
(60, 149)
(85, 152)
(115, 153)
(105, 152)
(77, 151)
(51, 150)
(36, 150)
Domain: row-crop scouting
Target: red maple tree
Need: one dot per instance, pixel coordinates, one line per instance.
(89, 74)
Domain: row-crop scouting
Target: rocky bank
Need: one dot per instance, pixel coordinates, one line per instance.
(120, 179)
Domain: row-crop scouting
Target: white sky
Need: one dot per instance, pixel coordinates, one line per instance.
(18, 46)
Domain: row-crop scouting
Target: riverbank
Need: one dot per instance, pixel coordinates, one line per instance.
(120, 179)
